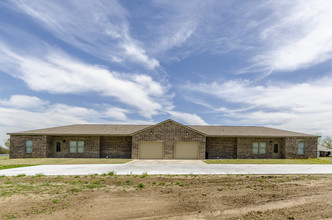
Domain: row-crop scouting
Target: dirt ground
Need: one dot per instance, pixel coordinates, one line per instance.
(166, 197)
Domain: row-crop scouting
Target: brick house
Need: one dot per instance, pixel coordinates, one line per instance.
(165, 140)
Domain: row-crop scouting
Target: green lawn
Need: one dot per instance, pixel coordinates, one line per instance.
(271, 161)
(2, 167)
(5, 161)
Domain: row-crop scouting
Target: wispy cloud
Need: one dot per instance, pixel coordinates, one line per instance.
(96, 27)
(279, 35)
(17, 116)
(299, 106)
(59, 73)
(297, 35)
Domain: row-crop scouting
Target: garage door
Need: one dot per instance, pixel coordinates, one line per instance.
(186, 150)
(150, 150)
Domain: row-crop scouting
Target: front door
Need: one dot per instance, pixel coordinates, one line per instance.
(276, 151)
(57, 149)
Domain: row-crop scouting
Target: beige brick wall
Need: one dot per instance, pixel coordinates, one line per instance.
(310, 147)
(168, 132)
(115, 147)
(91, 146)
(17, 146)
(221, 147)
(44, 146)
(244, 147)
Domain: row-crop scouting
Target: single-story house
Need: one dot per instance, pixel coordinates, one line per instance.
(324, 151)
(165, 140)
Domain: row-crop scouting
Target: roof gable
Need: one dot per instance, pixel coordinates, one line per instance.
(172, 121)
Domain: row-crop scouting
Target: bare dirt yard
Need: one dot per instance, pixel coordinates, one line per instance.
(110, 196)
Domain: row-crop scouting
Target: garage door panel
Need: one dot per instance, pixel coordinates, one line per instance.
(151, 150)
(186, 150)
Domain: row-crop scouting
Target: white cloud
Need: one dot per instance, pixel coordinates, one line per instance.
(302, 107)
(116, 113)
(187, 118)
(299, 35)
(14, 119)
(23, 102)
(56, 72)
(96, 27)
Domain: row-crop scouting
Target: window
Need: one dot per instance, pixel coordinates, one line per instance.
(28, 147)
(262, 148)
(76, 147)
(258, 148)
(300, 148)
(72, 147)
(275, 148)
(58, 147)
(255, 148)
(80, 146)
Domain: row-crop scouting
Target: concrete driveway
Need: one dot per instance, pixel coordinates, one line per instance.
(138, 167)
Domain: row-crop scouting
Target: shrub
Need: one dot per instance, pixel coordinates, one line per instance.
(140, 185)
(4, 150)
(144, 175)
(97, 182)
(74, 190)
(179, 183)
(20, 175)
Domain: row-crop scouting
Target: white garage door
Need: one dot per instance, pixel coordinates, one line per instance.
(150, 150)
(186, 150)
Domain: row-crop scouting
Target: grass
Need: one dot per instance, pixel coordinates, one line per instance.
(5, 162)
(271, 161)
(58, 192)
(2, 167)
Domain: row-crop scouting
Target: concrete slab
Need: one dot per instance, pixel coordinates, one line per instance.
(175, 168)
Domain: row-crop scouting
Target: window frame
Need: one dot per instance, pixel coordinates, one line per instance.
(80, 147)
(72, 148)
(76, 147)
(261, 148)
(28, 146)
(258, 148)
(300, 148)
(255, 148)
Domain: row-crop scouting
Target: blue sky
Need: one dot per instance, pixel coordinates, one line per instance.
(262, 63)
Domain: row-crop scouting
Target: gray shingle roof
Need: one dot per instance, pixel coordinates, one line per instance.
(127, 130)
(246, 131)
(86, 129)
